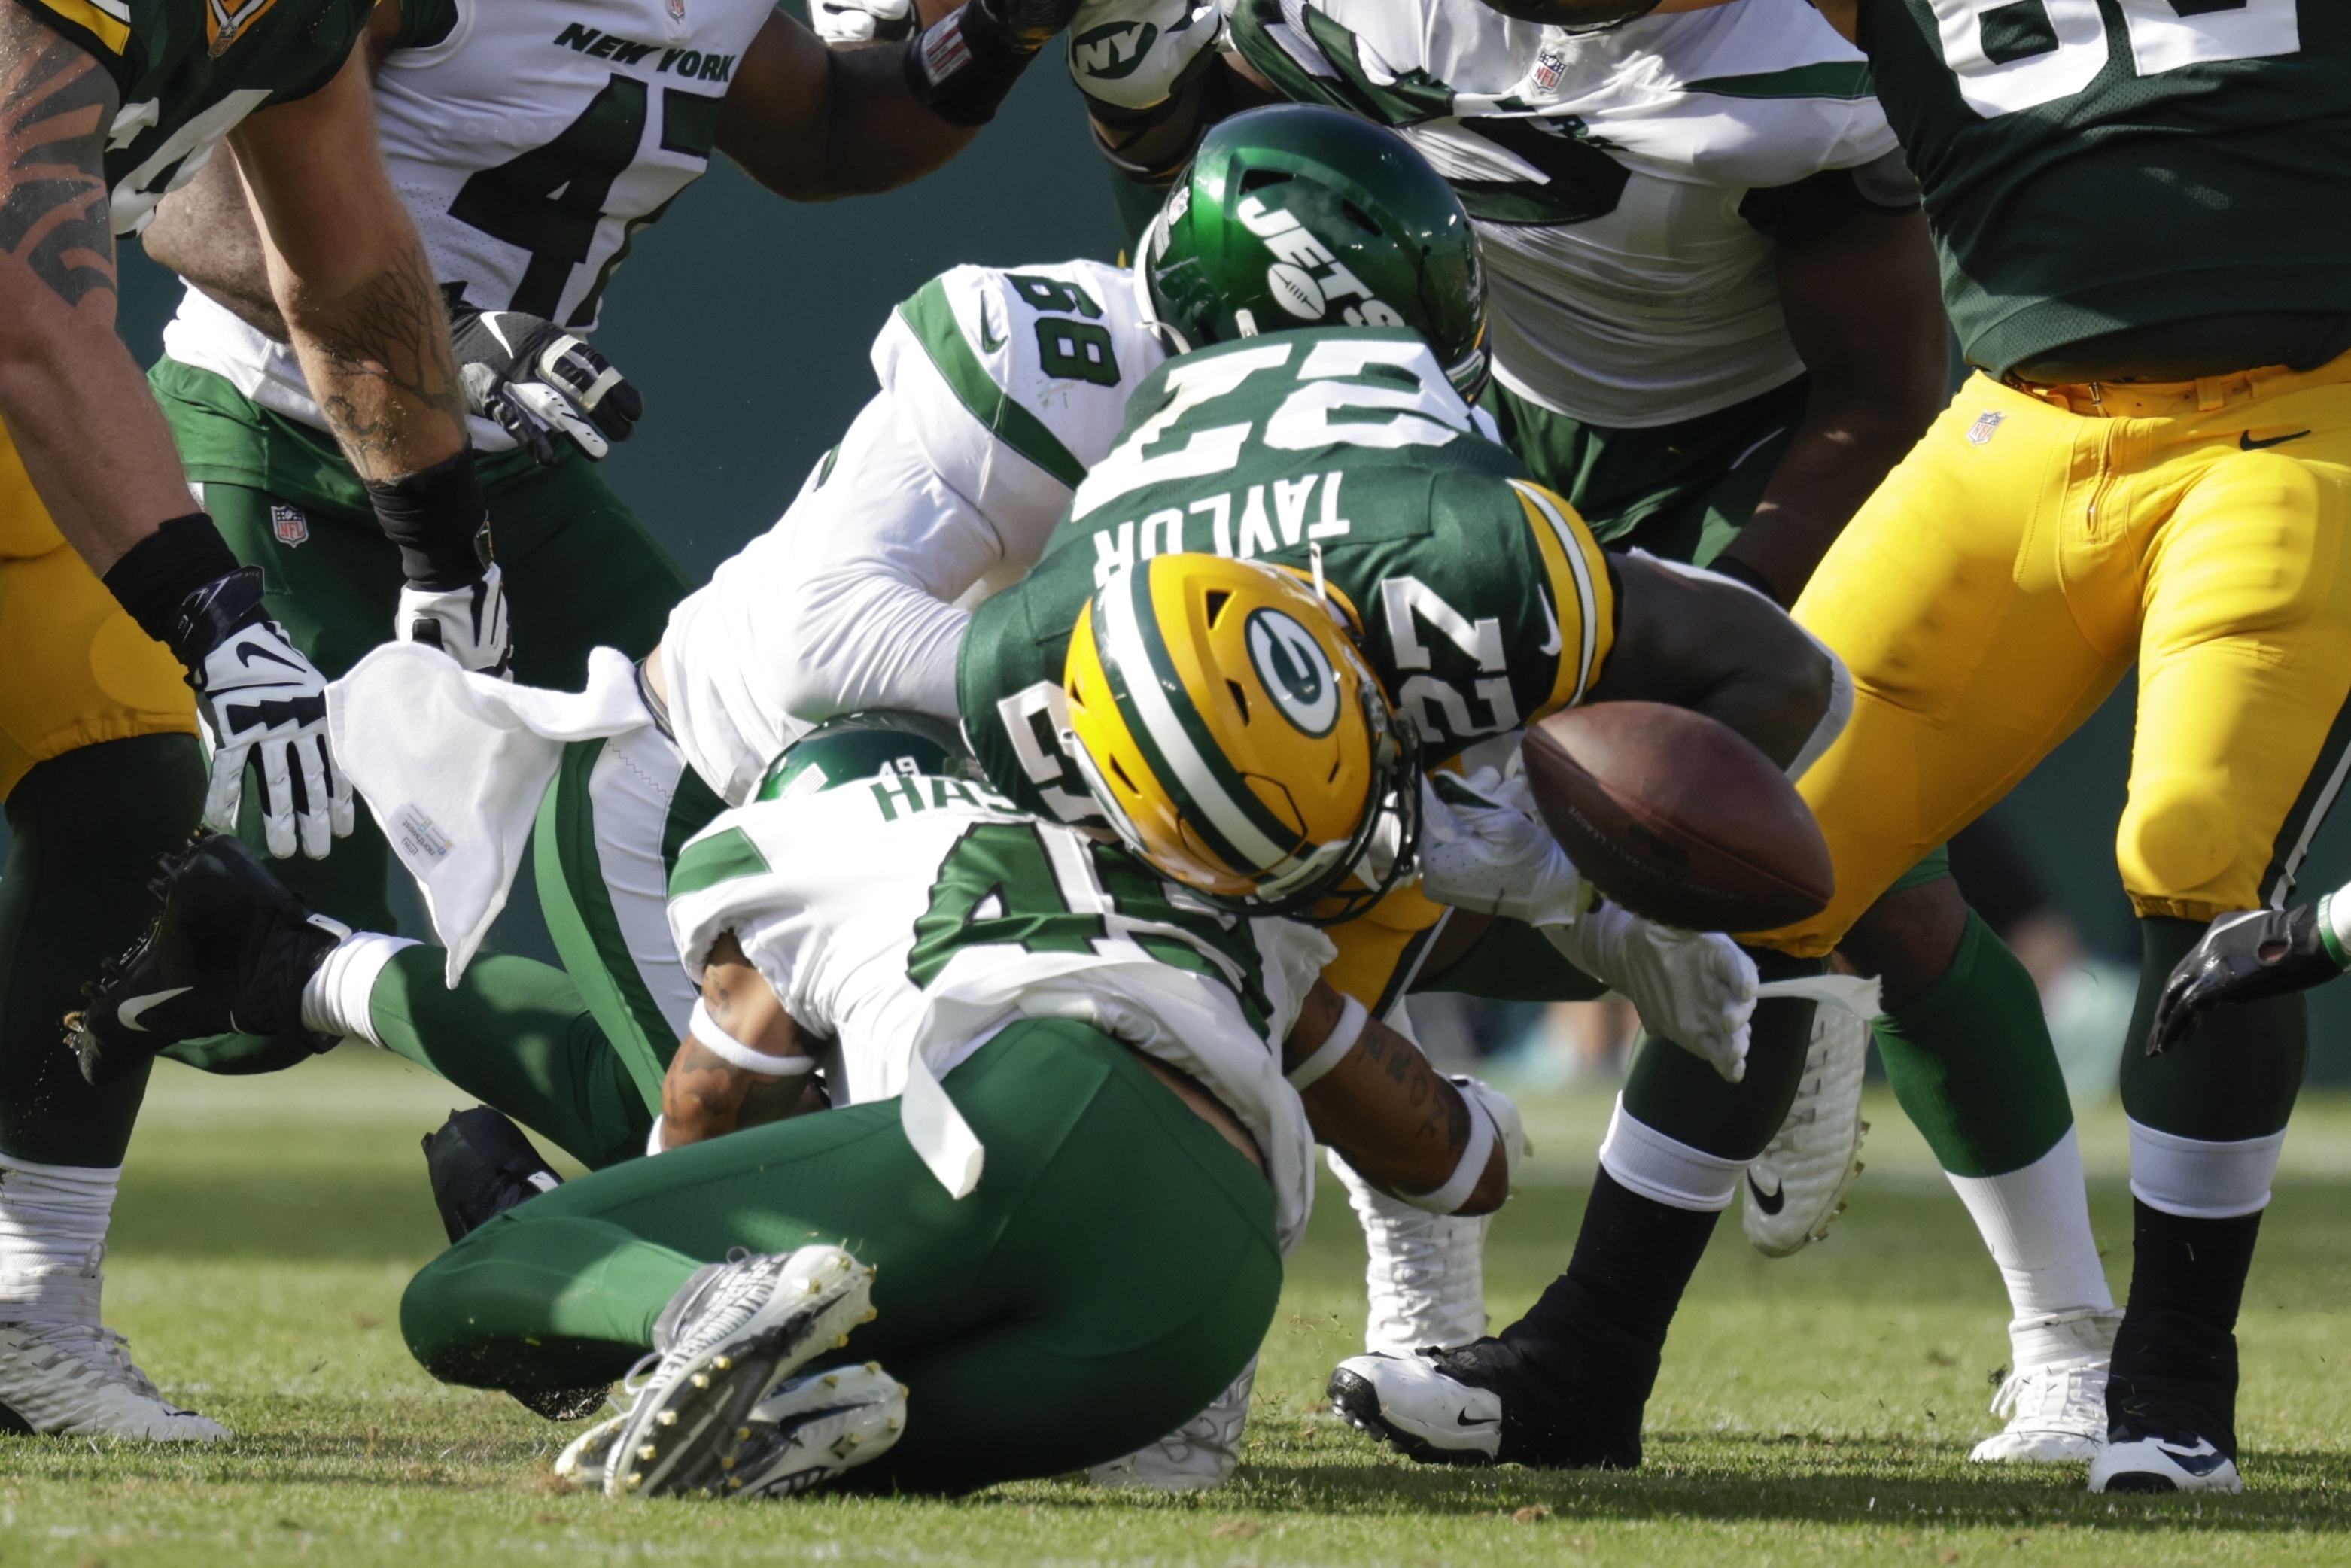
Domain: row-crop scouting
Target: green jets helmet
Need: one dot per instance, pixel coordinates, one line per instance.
(1295, 216)
(876, 743)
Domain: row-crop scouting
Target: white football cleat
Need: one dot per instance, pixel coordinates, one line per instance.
(729, 1336)
(1199, 1455)
(78, 1380)
(1410, 1401)
(2160, 1465)
(2055, 1400)
(1426, 1276)
(1797, 1185)
(813, 1428)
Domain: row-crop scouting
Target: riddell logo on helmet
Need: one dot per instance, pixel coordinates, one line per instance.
(1293, 279)
(1295, 671)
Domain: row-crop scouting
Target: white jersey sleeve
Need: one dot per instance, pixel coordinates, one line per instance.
(908, 913)
(1015, 382)
(952, 477)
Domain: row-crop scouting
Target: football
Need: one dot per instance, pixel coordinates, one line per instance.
(1677, 817)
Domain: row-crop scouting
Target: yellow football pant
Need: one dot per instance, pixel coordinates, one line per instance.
(77, 669)
(2033, 547)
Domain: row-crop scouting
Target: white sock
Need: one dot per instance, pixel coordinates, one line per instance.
(53, 1223)
(335, 998)
(2199, 1180)
(2036, 1223)
(1666, 1170)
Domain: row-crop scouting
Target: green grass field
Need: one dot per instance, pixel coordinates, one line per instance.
(1813, 1410)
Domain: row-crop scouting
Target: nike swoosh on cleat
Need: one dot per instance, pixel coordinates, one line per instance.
(1769, 1202)
(2200, 1461)
(2246, 443)
(1462, 1418)
(131, 1012)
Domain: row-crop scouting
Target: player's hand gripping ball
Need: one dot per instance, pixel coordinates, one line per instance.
(1677, 817)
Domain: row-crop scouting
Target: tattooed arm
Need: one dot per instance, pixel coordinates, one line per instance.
(351, 280)
(74, 404)
(1388, 1112)
(705, 1095)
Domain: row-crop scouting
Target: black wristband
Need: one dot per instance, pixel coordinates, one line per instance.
(440, 522)
(962, 67)
(156, 576)
(1739, 571)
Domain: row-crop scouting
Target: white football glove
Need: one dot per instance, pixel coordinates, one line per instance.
(844, 23)
(1133, 54)
(264, 702)
(469, 624)
(1482, 848)
(1697, 990)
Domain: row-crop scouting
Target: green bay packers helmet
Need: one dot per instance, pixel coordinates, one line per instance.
(1296, 215)
(1232, 735)
(877, 743)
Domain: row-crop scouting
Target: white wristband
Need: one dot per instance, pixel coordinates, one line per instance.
(1334, 1049)
(735, 1053)
(1472, 1168)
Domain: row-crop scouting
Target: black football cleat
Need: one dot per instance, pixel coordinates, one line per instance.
(2171, 1406)
(481, 1164)
(1520, 1399)
(228, 954)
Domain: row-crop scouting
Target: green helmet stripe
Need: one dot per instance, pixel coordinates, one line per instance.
(933, 321)
(1181, 751)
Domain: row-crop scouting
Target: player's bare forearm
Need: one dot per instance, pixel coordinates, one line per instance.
(1864, 307)
(76, 406)
(812, 123)
(1390, 1114)
(704, 1094)
(1713, 647)
(351, 280)
(204, 231)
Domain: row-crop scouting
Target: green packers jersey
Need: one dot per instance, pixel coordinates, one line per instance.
(188, 70)
(1484, 601)
(2093, 165)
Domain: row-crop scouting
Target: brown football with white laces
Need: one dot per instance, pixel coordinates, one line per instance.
(1677, 817)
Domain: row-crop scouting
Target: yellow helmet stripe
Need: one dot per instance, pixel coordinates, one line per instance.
(1228, 817)
(1588, 596)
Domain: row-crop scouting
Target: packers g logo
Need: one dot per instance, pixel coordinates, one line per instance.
(1294, 671)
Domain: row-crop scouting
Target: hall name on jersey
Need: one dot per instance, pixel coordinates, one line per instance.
(1273, 515)
(692, 63)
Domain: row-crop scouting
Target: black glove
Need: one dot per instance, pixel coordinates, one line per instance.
(538, 380)
(2243, 957)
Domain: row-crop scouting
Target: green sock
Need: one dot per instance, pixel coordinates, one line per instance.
(1684, 1098)
(1971, 1060)
(89, 827)
(2235, 1078)
(516, 1034)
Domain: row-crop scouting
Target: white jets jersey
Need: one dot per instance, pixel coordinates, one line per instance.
(530, 141)
(906, 913)
(999, 389)
(1607, 173)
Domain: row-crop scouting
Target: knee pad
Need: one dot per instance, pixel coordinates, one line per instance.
(2175, 846)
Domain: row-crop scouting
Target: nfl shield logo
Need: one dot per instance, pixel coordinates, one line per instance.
(1548, 66)
(288, 523)
(1986, 426)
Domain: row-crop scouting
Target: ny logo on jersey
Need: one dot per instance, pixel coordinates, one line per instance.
(226, 20)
